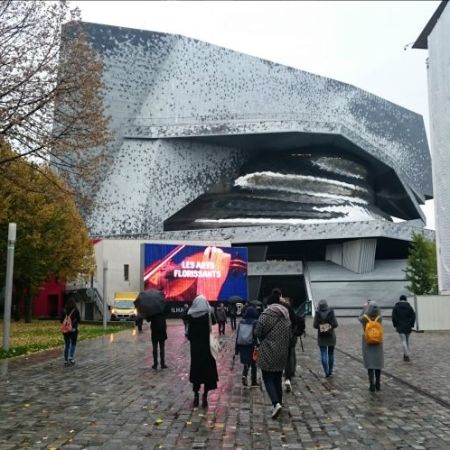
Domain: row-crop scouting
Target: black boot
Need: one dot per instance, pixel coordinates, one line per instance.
(377, 379)
(371, 373)
(196, 399)
(205, 400)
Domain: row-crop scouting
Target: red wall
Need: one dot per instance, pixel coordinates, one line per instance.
(50, 300)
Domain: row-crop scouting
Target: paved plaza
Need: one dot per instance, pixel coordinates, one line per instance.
(113, 399)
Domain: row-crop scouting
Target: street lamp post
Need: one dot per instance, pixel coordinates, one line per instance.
(105, 303)
(12, 228)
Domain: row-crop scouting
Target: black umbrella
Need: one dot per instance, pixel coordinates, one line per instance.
(255, 303)
(150, 303)
(235, 299)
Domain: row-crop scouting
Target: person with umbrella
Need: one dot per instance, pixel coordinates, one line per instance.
(150, 304)
(158, 326)
(203, 368)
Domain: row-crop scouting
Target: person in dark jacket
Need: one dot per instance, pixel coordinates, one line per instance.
(273, 329)
(232, 312)
(373, 354)
(203, 365)
(403, 319)
(158, 328)
(246, 351)
(325, 322)
(184, 318)
(70, 339)
(221, 316)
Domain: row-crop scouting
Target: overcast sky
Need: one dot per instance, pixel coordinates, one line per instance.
(357, 42)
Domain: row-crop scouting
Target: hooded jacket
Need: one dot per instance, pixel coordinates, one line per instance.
(325, 314)
(403, 317)
(273, 329)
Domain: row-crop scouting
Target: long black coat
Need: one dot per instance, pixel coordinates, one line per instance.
(403, 317)
(158, 326)
(203, 365)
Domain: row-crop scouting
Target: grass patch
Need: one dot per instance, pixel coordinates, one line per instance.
(26, 338)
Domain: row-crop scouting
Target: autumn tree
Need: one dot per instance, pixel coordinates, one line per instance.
(421, 270)
(52, 240)
(51, 101)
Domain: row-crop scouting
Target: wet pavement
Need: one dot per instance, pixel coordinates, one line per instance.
(113, 399)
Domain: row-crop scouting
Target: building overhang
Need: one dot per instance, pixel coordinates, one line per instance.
(307, 232)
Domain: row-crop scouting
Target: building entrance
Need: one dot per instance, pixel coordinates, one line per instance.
(292, 286)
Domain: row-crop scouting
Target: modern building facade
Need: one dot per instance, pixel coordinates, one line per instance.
(436, 38)
(307, 172)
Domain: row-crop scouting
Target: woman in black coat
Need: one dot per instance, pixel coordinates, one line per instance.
(203, 366)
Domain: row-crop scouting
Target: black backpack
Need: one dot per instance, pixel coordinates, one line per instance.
(300, 325)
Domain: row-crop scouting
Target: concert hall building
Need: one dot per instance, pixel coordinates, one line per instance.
(309, 173)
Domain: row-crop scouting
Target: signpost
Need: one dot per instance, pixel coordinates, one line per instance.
(105, 302)
(9, 284)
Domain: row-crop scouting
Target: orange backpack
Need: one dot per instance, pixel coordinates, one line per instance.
(373, 332)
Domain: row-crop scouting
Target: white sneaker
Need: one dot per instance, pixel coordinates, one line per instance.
(287, 385)
(276, 410)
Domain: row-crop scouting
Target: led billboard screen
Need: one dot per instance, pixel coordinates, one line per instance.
(184, 271)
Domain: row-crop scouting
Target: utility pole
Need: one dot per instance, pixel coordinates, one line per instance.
(105, 303)
(12, 228)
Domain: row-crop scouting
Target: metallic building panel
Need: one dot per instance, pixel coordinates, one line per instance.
(164, 92)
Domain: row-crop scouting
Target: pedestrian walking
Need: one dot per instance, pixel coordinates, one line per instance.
(289, 370)
(325, 322)
(139, 322)
(221, 316)
(158, 326)
(232, 312)
(372, 350)
(245, 344)
(403, 319)
(203, 368)
(70, 320)
(273, 329)
(184, 318)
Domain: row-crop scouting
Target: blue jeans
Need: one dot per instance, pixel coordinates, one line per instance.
(327, 357)
(272, 382)
(70, 344)
(405, 343)
(251, 366)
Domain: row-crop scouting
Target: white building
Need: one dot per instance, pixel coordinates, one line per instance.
(436, 38)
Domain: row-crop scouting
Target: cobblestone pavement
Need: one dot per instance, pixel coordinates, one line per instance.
(113, 399)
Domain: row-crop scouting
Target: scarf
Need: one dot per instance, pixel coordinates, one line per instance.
(279, 310)
(200, 306)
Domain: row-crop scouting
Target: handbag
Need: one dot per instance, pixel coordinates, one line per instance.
(214, 344)
(255, 354)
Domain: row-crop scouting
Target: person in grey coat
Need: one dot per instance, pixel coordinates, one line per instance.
(373, 355)
(273, 329)
(325, 322)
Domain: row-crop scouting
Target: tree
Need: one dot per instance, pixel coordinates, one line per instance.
(52, 239)
(421, 270)
(51, 101)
